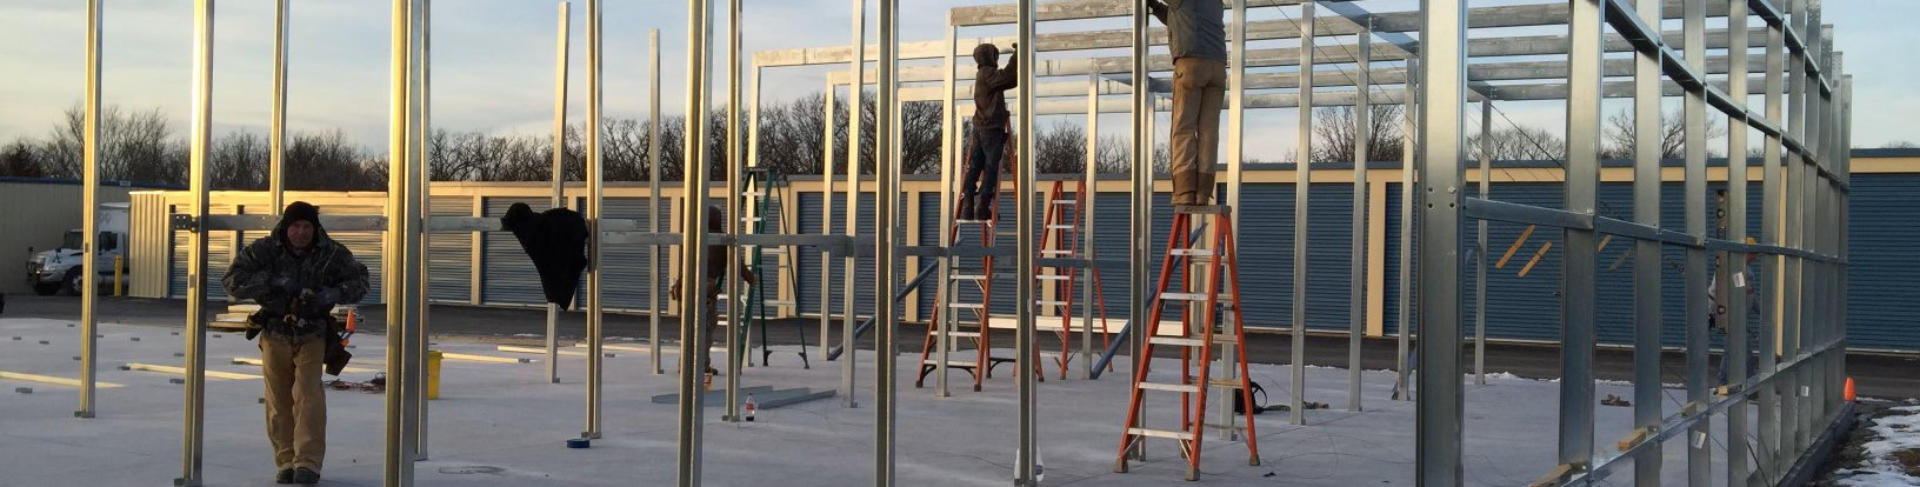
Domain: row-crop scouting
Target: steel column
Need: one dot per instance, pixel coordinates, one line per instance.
(1408, 220)
(654, 199)
(1647, 274)
(1771, 266)
(736, 215)
(419, 200)
(90, 207)
(596, 210)
(826, 218)
(855, 113)
(942, 325)
(1577, 281)
(194, 410)
(1480, 249)
(401, 242)
(1024, 359)
(1236, 146)
(1438, 415)
(1357, 276)
(1090, 193)
(886, 170)
(277, 122)
(1302, 184)
(693, 249)
(1735, 287)
(559, 170)
(1140, 229)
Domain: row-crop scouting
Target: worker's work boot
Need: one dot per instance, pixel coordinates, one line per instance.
(985, 209)
(305, 476)
(1182, 188)
(966, 208)
(284, 477)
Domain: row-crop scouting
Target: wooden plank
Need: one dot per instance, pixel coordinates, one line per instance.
(48, 379)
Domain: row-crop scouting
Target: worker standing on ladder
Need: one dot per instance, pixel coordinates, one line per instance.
(1198, 40)
(716, 268)
(990, 85)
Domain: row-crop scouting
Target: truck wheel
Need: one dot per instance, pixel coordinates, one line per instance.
(45, 289)
(72, 283)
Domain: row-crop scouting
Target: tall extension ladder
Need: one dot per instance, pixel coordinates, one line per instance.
(1194, 385)
(1060, 239)
(762, 191)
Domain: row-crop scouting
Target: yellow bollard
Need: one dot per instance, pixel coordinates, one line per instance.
(433, 374)
(119, 263)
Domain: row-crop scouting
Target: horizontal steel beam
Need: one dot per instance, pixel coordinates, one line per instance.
(1334, 25)
(265, 222)
(1495, 210)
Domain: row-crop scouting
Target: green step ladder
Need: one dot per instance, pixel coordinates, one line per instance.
(763, 195)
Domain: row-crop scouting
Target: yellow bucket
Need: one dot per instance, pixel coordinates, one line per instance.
(433, 374)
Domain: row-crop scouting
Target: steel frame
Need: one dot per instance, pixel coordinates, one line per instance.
(1805, 130)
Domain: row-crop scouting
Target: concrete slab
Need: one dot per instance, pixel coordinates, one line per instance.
(501, 424)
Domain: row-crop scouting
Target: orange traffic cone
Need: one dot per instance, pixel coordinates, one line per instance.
(1847, 391)
(348, 341)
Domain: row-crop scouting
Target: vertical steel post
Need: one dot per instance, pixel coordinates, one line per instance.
(1140, 230)
(416, 262)
(1736, 286)
(90, 208)
(654, 199)
(693, 248)
(1026, 369)
(942, 315)
(1236, 147)
(1480, 247)
(1699, 457)
(886, 169)
(855, 112)
(1090, 193)
(1357, 276)
(736, 216)
(1793, 167)
(1647, 400)
(401, 427)
(193, 436)
(826, 218)
(1577, 282)
(1438, 417)
(596, 210)
(277, 122)
(1302, 184)
(1771, 266)
(559, 171)
(1408, 219)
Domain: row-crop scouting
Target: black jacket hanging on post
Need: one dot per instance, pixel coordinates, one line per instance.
(556, 240)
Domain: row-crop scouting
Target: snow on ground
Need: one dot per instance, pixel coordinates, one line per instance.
(1895, 433)
(503, 424)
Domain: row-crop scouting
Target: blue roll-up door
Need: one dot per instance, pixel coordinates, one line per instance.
(1883, 305)
(624, 274)
(450, 255)
(809, 207)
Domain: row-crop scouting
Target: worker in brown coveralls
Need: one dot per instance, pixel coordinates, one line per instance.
(1198, 40)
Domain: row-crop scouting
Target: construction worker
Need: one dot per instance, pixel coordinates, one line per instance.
(1198, 41)
(990, 84)
(716, 266)
(297, 274)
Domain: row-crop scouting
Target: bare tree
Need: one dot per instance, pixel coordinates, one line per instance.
(238, 161)
(1900, 144)
(1335, 130)
(1620, 137)
(1520, 144)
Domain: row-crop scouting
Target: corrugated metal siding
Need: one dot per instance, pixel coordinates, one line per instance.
(219, 257)
(450, 255)
(625, 275)
(1266, 261)
(809, 208)
(929, 234)
(149, 244)
(1883, 309)
(366, 246)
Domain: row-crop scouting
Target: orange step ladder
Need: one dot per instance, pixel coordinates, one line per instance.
(1060, 239)
(979, 272)
(1194, 382)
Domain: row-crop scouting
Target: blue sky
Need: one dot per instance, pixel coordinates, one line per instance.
(493, 62)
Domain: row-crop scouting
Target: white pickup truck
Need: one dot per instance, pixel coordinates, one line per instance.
(58, 270)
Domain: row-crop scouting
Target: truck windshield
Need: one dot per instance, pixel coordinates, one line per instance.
(72, 241)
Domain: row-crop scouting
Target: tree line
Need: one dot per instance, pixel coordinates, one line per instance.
(142, 146)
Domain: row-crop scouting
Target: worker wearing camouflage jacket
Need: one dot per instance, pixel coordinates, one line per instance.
(297, 274)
